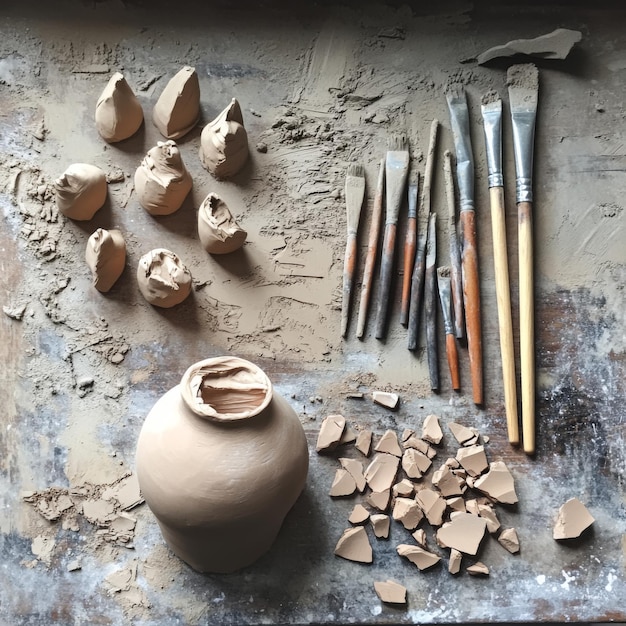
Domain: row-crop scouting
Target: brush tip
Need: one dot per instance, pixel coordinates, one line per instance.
(443, 271)
(398, 142)
(455, 91)
(491, 97)
(356, 169)
(524, 75)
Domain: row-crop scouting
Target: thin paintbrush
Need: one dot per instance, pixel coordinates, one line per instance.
(372, 246)
(396, 172)
(445, 297)
(430, 303)
(491, 109)
(355, 191)
(409, 250)
(459, 118)
(523, 83)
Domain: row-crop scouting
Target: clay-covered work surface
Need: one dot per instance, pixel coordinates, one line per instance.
(319, 89)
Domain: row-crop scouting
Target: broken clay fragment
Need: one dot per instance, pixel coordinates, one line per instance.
(390, 592)
(454, 564)
(379, 499)
(456, 504)
(177, 110)
(105, 256)
(364, 442)
(330, 432)
(217, 228)
(118, 112)
(389, 443)
(80, 191)
(431, 430)
(163, 279)
(354, 545)
(380, 524)
(497, 483)
(463, 532)
(509, 539)
(433, 505)
(414, 463)
(404, 488)
(355, 469)
(461, 433)
(407, 512)
(386, 399)
(359, 515)
(381, 472)
(473, 459)
(573, 519)
(488, 513)
(448, 483)
(418, 556)
(343, 484)
(420, 536)
(478, 569)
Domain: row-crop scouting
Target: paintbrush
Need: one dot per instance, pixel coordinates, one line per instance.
(355, 191)
(396, 172)
(456, 285)
(409, 250)
(372, 246)
(445, 297)
(491, 109)
(459, 119)
(523, 83)
(430, 305)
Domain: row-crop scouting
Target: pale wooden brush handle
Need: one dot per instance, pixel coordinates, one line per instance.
(505, 323)
(527, 324)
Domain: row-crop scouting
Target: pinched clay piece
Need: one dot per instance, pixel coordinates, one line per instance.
(407, 512)
(448, 483)
(118, 112)
(418, 556)
(414, 463)
(390, 592)
(379, 499)
(355, 469)
(573, 519)
(80, 191)
(381, 472)
(433, 505)
(386, 399)
(380, 524)
(359, 515)
(463, 532)
(454, 564)
(420, 536)
(473, 460)
(343, 484)
(354, 545)
(105, 257)
(478, 569)
(461, 433)
(224, 142)
(330, 432)
(497, 483)
(163, 279)
(218, 231)
(404, 488)
(177, 110)
(364, 442)
(431, 430)
(509, 539)
(389, 443)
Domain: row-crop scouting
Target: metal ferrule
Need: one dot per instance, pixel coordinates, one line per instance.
(523, 139)
(493, 144)
(431, 243)
(443, 283)
(459, 121)
(412, 200)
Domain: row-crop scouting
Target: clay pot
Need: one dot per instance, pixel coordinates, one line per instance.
(218, 231)
(221, 459)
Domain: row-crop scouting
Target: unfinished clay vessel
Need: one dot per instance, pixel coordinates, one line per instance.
(221, 459)
(163, 278)
(177, 110)
(118, 112)
(224, 142)
(106, 257)
(218, 231)
(80, 191)
(162, 181)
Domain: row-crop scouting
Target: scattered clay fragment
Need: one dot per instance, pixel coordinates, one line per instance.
(389, 443)
(224, 142)
(404, 488)
(456, 504)
(473, 460)
(386, 399)
(218, 231)
(177, 110)
(80, 191)
(418, 556)
(162, 181)
(355, 469)
(390, 592)
(463, 532)
(454, 564)
(471, 506)
(497, 483)
(348, 435)
(379, 499)
(478, 569)
(488, 513)
(354, 545)
(359, 515)
(364, 442)
(105, 256)
(419, 444)
(448, 483)
(573, 519)
(407, 433)
(452, 463)
(381, 472)
(461, 433)
(163, 279)
(420, 536)
(433, 505)
(407, 512)
(330, 432)
(74, 566)
(380, 524)
(414, 463)
(431, 430)
(509, 539)
(118, 112)
(343, 484)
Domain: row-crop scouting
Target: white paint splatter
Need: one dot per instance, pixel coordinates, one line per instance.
(568, 579)
(611, 577)
(376, 610)
(540, 579)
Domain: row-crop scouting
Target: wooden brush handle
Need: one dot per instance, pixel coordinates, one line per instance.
(409, 258)
(471, 294)
(348, 274)
(453, 362)
(417, 286)
(430, 310)
(527, 324)
(386, 271)
(505, 322)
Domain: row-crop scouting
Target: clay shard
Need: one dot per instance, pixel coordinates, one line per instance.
(379, 499)
(364, 442)
(461, 433)
(456, 504)
(224, 142)
(463, 532)
(404, 488)
(343, 484)
(330, 432)
(508, 539)
(389, 443)
(420, 536)
(381, 524)
(354, 545)
(448, 483)
(163, 279)
(355, 469)
(418, 556)
(418, 444)
(386, 399)
(162, 181)
(381, 472)
(573, 519)
(497, 483)
(80, 191)
(414, 463)
(454, 564)
(478, 569)
(390, 592)
(433, 505)
(431, 430)
(473, 460)
(118, 112)
(487, 512)
(359, 515)
(218, 231)
(177, 110)
(407, 512)
(106, 257)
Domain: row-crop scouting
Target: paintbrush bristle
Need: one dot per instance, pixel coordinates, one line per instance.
(455, 92)
(443, 271)
(356, 169)
(398, 143)
(523, 83)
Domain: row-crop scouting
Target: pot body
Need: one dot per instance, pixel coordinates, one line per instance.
(221, 488)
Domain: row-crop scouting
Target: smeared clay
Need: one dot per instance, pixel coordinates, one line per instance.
(105, 256)
(162, 181)
(573, 519)
(80, 191)
(118, 112)
(418, 556)
(390, 592)
(218, 231)
(224, 142)
(163, 279)
(354, 545)
(177, 110)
